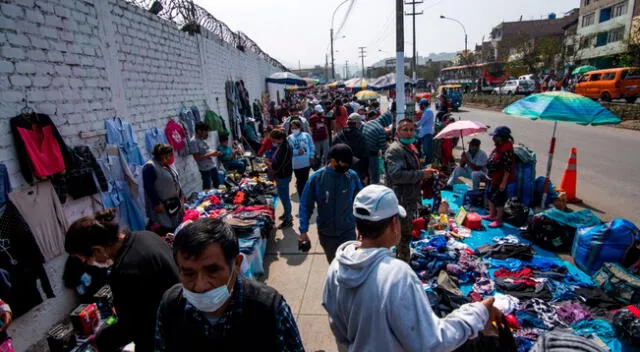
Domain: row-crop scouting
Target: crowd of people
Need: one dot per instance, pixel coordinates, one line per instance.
(193, 298)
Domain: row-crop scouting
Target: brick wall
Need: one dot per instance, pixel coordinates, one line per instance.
(84, 61)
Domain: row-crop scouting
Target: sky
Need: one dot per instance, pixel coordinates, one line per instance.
(296, 32)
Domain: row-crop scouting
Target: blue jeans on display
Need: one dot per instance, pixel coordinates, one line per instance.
(210, 177)
(374, 170)
(283, 194)
(427, 148)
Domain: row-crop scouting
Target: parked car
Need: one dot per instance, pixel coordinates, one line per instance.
(614, 83)
(515, 86)
(526, 77)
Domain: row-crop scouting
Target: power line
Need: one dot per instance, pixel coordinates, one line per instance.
(346, 17)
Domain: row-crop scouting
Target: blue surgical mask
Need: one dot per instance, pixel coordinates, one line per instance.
(407, 141)
(211, 300)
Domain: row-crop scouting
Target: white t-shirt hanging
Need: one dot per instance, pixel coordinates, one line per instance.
(41, 209)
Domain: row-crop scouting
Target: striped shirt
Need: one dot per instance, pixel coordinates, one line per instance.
(374, 133)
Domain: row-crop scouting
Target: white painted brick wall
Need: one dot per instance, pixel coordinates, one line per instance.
(51, 53)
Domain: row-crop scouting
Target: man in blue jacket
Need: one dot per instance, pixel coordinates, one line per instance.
(333, 187)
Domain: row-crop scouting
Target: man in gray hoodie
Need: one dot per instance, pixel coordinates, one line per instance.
(376, 302)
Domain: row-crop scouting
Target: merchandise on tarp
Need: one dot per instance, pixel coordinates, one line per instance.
(539, 291)
(606, 243)
(618, 283)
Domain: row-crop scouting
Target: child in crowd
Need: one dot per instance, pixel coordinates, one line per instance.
(229, 156)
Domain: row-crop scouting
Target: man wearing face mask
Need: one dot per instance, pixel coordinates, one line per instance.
(142, 269)
(333, 188)
(214, 308)
(365, 275)
(203, 156)
(403, 175)
(303, 152)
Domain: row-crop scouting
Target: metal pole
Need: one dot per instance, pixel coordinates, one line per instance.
(399, 61)
(465, 41)
(552, 149)
(333, 66)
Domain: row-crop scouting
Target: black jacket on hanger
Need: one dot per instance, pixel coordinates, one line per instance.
(80, 179)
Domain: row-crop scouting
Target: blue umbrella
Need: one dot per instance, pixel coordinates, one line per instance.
(287, 78)
(560, 106)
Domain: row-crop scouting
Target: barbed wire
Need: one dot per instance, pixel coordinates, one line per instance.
(192, 18)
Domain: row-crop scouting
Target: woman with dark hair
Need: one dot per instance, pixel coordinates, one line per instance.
(501, 167)
(163, 195)
(281, 170)
(142, 269)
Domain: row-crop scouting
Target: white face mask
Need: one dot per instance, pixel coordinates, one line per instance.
(295, 132)
(211, 300)
(105, 265)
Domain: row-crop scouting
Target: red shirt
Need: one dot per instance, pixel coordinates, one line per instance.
(266, 145)
(340, 115)
(318, 127)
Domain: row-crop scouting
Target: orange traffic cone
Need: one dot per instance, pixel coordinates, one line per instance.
(569, 178)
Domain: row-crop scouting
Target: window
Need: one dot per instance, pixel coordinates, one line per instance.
(605, 14)
(588, 20)
(609, 76)
(571, 50)
(595, 77)
(585, 42)
(587, 2)
(620, 9)
(631, 74)
(584, 78)
(601, 39)
(616, 35)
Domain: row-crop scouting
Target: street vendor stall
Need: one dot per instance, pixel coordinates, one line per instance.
(536, 289)
(248, 207)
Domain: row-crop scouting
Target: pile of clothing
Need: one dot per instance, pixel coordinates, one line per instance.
(537, 294)
(248, 207)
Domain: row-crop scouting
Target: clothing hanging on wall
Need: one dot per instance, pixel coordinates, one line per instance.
(232, 109)
(152, 137)
(85, 175)
(5, 187)
(120, 133)
(21, 258)
(177, 137)
(188, 122)
(42, 211)
(40, 149)
(121, 193)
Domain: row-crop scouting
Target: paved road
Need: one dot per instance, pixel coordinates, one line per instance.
(608, 159)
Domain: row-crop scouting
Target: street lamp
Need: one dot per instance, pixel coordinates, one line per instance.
(333, 67)
(462, 25)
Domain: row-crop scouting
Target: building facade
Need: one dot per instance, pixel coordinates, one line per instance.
(603, 29)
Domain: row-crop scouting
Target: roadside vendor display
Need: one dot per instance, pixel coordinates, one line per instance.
(537, 290)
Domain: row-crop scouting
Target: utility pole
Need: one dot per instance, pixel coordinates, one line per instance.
(333, 66)
(399, 62)
(413, 14)
(346, 69)
(363, 53)
(326, 68)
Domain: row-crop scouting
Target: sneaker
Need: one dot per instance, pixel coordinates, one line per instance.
(285, 224)
(495, 224)
(486, 217)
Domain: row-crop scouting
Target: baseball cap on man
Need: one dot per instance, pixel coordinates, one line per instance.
(318, 108)
(502, 131)
(423, 101)
(341, 152)
(354, 118)
(377, 202)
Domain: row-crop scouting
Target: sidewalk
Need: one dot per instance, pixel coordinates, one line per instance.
(299, 277)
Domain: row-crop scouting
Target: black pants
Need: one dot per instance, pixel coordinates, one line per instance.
(302, 175)
(330, 244)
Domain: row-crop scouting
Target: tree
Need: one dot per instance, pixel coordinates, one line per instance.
(531, 53)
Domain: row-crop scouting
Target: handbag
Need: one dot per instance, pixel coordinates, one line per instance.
(618, 283)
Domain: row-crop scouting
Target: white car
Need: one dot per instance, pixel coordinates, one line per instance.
(515, 86)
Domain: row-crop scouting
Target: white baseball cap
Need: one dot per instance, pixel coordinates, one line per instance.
(379, 202)
(319, 108)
